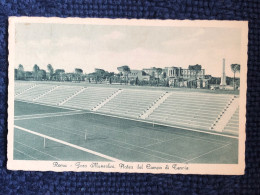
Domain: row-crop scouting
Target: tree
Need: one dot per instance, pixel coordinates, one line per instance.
(126, 70)
(78, 72)
(167, 83)
(59, 74)
(136, 81)
(35, 71)
(28, 75)
(20, 72)
(214, 80)
(164, 76)
(108, 76)
(15, 74)
(158, 71)
(235, 68)
(42, 74)
(197, 69)
(50, 70)
(99, 74)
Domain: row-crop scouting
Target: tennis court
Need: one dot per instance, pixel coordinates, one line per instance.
(50, 133)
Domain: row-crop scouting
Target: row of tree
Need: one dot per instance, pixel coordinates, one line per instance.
(197, 68)
(38, 74)
(125, 70)
(235, 68)
(101, 75)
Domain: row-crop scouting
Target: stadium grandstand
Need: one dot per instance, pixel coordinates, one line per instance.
(89, 97)
(74, 121)
(195, 110)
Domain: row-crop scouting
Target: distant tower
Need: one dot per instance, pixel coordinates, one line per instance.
(223, 76)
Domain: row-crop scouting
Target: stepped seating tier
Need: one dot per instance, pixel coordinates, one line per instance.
(90, 98)
(35, 92)
(182, 109)
(232, 126)
(196, 111)
(131, 103)
(20, 87)
(59, 94)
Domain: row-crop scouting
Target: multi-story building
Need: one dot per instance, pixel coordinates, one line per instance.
(194, 76)
(150, 71)
(141, 75)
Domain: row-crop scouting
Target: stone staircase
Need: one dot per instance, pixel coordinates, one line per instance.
(225, 115)
(107, 100)
(155, 105)
(26, 90)
(47, 92)
(75, 94)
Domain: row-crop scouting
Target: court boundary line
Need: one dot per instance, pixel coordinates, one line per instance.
(43, 104)
(49, 114)
(37, 150)
(69, 144)
(177, 134)
(163, 152)
(224, 144)
(25, 154)
(44, 113)
(55, 127)
(127, 144)
(161, 124)
(55, 114)
(149, 150)
(130, 145)
(144, 152)
(207, 153)
(66, 131)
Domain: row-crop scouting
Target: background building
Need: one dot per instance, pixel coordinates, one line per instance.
(138, 74)
(194, 76)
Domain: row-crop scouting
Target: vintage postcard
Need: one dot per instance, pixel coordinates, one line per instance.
(127, 95)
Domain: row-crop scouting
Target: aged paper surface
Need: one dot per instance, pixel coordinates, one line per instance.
(120, 95)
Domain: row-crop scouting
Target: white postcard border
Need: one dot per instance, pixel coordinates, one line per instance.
(173, 168)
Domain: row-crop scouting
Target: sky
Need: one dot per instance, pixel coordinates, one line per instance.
(70, 46)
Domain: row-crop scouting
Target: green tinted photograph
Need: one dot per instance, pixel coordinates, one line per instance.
(127, 93)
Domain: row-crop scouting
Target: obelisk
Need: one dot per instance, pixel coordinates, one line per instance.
(223, 76)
